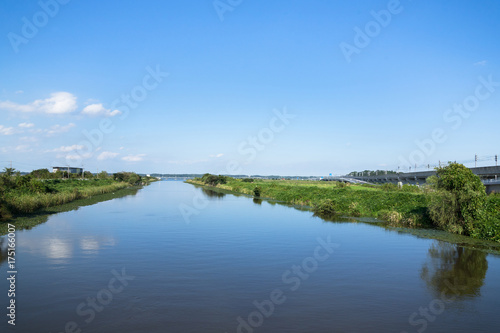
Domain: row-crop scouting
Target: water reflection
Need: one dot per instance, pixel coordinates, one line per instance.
(212, 194)
(257, 201)
(63, 249)
(453, 270)
(3, 249)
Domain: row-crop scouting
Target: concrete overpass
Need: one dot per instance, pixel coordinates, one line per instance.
(489, 175)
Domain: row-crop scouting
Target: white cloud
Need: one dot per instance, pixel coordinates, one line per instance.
(99, 110)
(75, 157)
(58, 103)
(23, 149)
(19, 92)
(65, 149)
(56, 129)
(480, 63)
(106, 155)
(217, 156)
(133, 158)
(28, 139)
(26, 125)
(6, 130)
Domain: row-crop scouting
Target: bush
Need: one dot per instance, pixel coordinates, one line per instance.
(389, 187)
(247, 180)
(354, 209)
(460, 201)
(410, 188)
(257, 191)
(213, 180)
(390, 216)
(325, 208)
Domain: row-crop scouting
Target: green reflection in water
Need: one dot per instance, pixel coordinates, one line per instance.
(213, 194)
(454, 270)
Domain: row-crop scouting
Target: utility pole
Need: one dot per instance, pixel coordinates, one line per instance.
(496, 160)
(475, 159)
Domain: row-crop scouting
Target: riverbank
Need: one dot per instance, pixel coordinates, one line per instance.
(406, 207)
(29, 193)
(30, 220)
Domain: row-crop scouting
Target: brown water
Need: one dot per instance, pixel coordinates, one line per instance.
(175, 258)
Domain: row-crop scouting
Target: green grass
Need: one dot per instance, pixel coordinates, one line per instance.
(31, 202)
(406, 207)
(53, 192)
(30, 220)
(351, 200)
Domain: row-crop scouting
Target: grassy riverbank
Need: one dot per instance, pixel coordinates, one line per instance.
(348, 200)
(30, 220)
(30, 193)
(406, 207)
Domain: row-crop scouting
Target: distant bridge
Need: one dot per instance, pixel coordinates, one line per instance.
(489, 176)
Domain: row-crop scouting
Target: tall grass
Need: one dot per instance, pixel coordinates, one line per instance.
(29, 202)
(344, 199)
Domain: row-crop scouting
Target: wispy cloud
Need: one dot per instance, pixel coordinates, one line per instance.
(99, 110)
(23, 149)
(105, 155)
(480, 63)
(6, 130)
(26, 125)
(56, 129)
(75, 157)
(134, 158)
(65, 149)
(58, 103)
(217, 156)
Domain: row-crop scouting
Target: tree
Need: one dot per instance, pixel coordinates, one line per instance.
(103, 175)
(459, 201)
(41, 173)
(88, 175)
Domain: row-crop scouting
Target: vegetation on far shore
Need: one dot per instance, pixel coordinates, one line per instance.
(26, 194)
(455, 200)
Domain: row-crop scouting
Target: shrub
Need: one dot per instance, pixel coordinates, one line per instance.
(256, 191)
(390, 216)
(410, 188)
(389, 187)
(325, 208)
(354, 209)
(460, 201)
(213, 180)
(247, 180)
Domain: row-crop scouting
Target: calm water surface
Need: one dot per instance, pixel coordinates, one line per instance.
(135, 264)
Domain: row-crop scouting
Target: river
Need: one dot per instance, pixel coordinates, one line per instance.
(177, 258)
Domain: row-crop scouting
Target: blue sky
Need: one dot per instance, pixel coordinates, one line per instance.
(252, 87)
